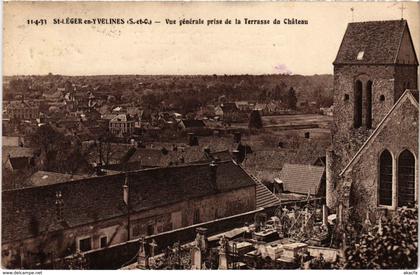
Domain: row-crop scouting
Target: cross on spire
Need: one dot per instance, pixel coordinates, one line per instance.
(352, 14)
(402, 8)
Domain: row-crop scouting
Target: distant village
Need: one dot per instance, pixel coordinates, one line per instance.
(216, 172)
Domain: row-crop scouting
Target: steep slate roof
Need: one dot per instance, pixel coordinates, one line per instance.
(299, 178)
(379, 40)
(412, 95)
(29, 211)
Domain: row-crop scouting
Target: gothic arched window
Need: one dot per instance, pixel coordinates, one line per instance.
(385, 178)
(369, 104)
(406, 178)
(358, 104)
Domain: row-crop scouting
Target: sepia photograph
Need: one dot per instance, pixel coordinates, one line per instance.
(210, 136)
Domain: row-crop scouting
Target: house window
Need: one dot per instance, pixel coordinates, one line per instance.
(382, 98)
(196, 216)
(150, 229)
(406, 178)
(369, 104)
(103, 242)
(85, 244)
(358, 104)
(360, 55)
(346, 97)
(385, 178)
(135, 230)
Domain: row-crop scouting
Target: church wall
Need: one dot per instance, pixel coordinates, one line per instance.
(364, 173)
(405, 77)
(346, 139)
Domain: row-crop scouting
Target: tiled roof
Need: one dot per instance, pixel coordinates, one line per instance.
(10, 141)
(229, 107)
(378, 40)
(264, 197)
(415, 94)
(218, 156)
(16, 151)
(298, 178)
(30, 211)
(193, 123)
(19, 163)
(22, 104)
(121, 118)
(151, 157)
(41, 178)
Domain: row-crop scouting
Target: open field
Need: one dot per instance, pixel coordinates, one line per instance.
(296, 120)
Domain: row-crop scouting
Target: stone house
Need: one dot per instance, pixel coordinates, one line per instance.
(227, 111)
(374, 67)
(121, 125)
(55, 220)
(22, 110)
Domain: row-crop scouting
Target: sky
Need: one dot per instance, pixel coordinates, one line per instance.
(90, 49)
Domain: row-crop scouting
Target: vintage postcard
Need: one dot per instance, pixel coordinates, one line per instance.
(210, 135)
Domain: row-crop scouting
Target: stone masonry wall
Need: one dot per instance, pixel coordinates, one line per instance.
(64, 242)
(364, 173)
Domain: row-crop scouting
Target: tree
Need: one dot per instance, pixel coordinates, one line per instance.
(255, 120)
(323, 97)
(291, 99)
(279, 91)
(150, 100)
(59, 153)
(391, 244)
(19, 86)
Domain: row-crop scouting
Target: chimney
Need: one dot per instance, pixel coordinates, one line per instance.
(213, 174)
(192, 139)
(59, 203)
(237, 137)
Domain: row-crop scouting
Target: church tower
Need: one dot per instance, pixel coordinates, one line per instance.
(375, 64)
